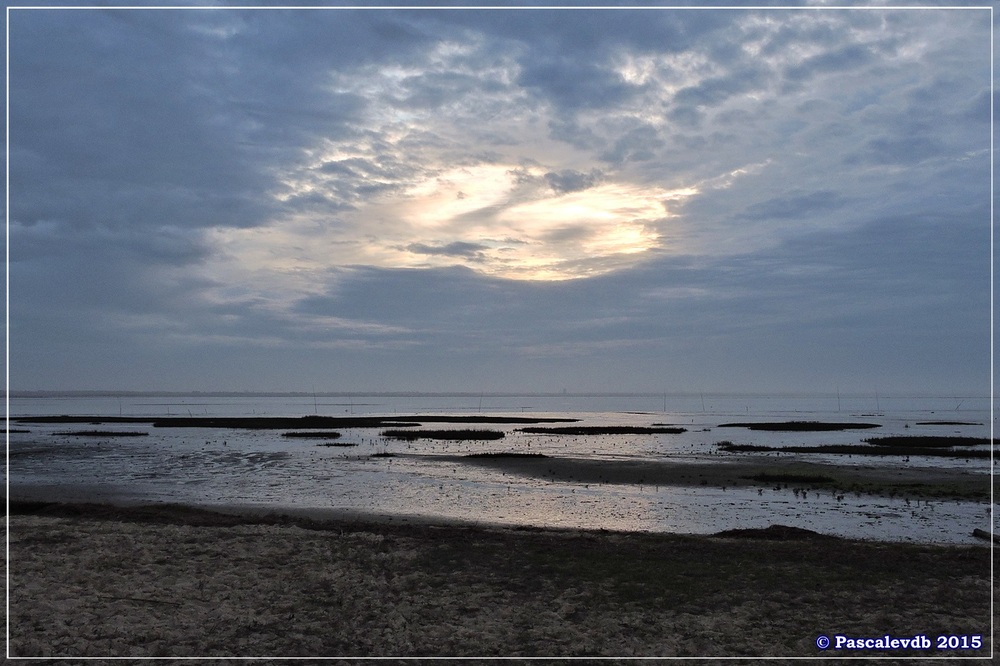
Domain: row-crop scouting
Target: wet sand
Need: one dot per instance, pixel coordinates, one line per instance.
(103, 580)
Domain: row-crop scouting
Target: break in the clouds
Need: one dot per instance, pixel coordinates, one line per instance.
(660, 199)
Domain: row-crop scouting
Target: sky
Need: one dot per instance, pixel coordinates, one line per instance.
(770, 200)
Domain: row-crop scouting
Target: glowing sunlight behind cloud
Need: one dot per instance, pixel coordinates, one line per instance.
(500, 220)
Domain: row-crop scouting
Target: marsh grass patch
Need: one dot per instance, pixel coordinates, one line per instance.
(948, 423)
(506, 454)
(456, 435)
(102, 433)
(900, 449)
(927, 441)
(780, 477)
(604, 430)
(312, 434)
(800, 426)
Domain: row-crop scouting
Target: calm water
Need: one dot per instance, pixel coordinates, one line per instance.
(263, 469)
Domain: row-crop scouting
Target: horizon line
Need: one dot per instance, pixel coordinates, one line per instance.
(42, 393)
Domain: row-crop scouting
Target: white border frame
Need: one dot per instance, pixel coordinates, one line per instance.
(493, 8)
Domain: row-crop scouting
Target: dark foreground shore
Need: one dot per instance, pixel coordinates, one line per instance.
(101, 581)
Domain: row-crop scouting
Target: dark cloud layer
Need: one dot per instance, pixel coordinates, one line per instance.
(500, 200)
(570, 180)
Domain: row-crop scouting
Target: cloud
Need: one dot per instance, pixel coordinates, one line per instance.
(576, 85)
(472, 251)
(652, 193)
(715, 90)
(638, 144)
(796, 206)
(570, 180)
(899, 150)
(850, 56)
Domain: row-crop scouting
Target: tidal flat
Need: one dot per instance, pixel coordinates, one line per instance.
(630, 471)
(914, 483)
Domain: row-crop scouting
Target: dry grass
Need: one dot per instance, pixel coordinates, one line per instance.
(92, 581)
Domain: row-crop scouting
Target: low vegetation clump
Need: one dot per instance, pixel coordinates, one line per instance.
(457, 435)
(312, 421)
(506, 454)
(606, 430)
(947, 423)
(928, 441)
(337, 444)
(314, 434)
(103, 433)
(898, 449)
(775, 533)
(744, 448)
(772, 477)
(800, 426)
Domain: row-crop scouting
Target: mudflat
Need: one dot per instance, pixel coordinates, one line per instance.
(165, 580)
(747, 471)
